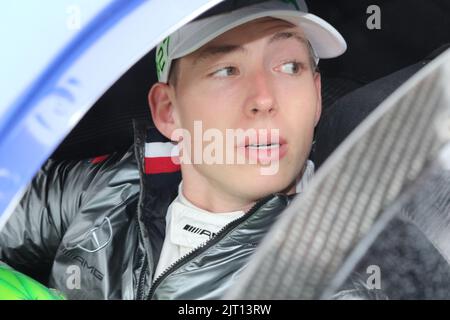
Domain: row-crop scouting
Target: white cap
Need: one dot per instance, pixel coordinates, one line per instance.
(325, 40)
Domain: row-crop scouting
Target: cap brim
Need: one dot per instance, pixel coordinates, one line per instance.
(326, 41)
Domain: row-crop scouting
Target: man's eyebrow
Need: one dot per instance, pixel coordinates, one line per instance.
(287, 35)
(220, 50)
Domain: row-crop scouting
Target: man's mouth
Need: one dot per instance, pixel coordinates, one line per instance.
(263, 146)
(263, 149)
(263, 141)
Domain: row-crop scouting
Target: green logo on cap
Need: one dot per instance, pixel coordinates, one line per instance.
(161, 56)
(293, 2)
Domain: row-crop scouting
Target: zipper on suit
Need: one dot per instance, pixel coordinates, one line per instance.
(140, 294)
(195, 252)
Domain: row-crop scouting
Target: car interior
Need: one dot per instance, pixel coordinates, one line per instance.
(377, 62)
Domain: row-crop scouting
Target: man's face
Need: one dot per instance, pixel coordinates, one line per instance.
(256, 76)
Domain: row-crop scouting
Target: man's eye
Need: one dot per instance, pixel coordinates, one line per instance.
(226, 72)
(291, 67)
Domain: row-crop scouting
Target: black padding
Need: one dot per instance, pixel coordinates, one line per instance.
(339, 120)
(410, 30)
(335, 87)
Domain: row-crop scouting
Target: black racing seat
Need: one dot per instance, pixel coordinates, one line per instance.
(339, 120)
(347, 112)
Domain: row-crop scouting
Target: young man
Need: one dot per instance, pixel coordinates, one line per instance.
(127, 227)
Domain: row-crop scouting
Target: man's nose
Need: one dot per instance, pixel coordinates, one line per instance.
(261, 99)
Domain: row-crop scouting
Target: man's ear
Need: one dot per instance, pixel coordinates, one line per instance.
(318, 85)
(162, 108)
